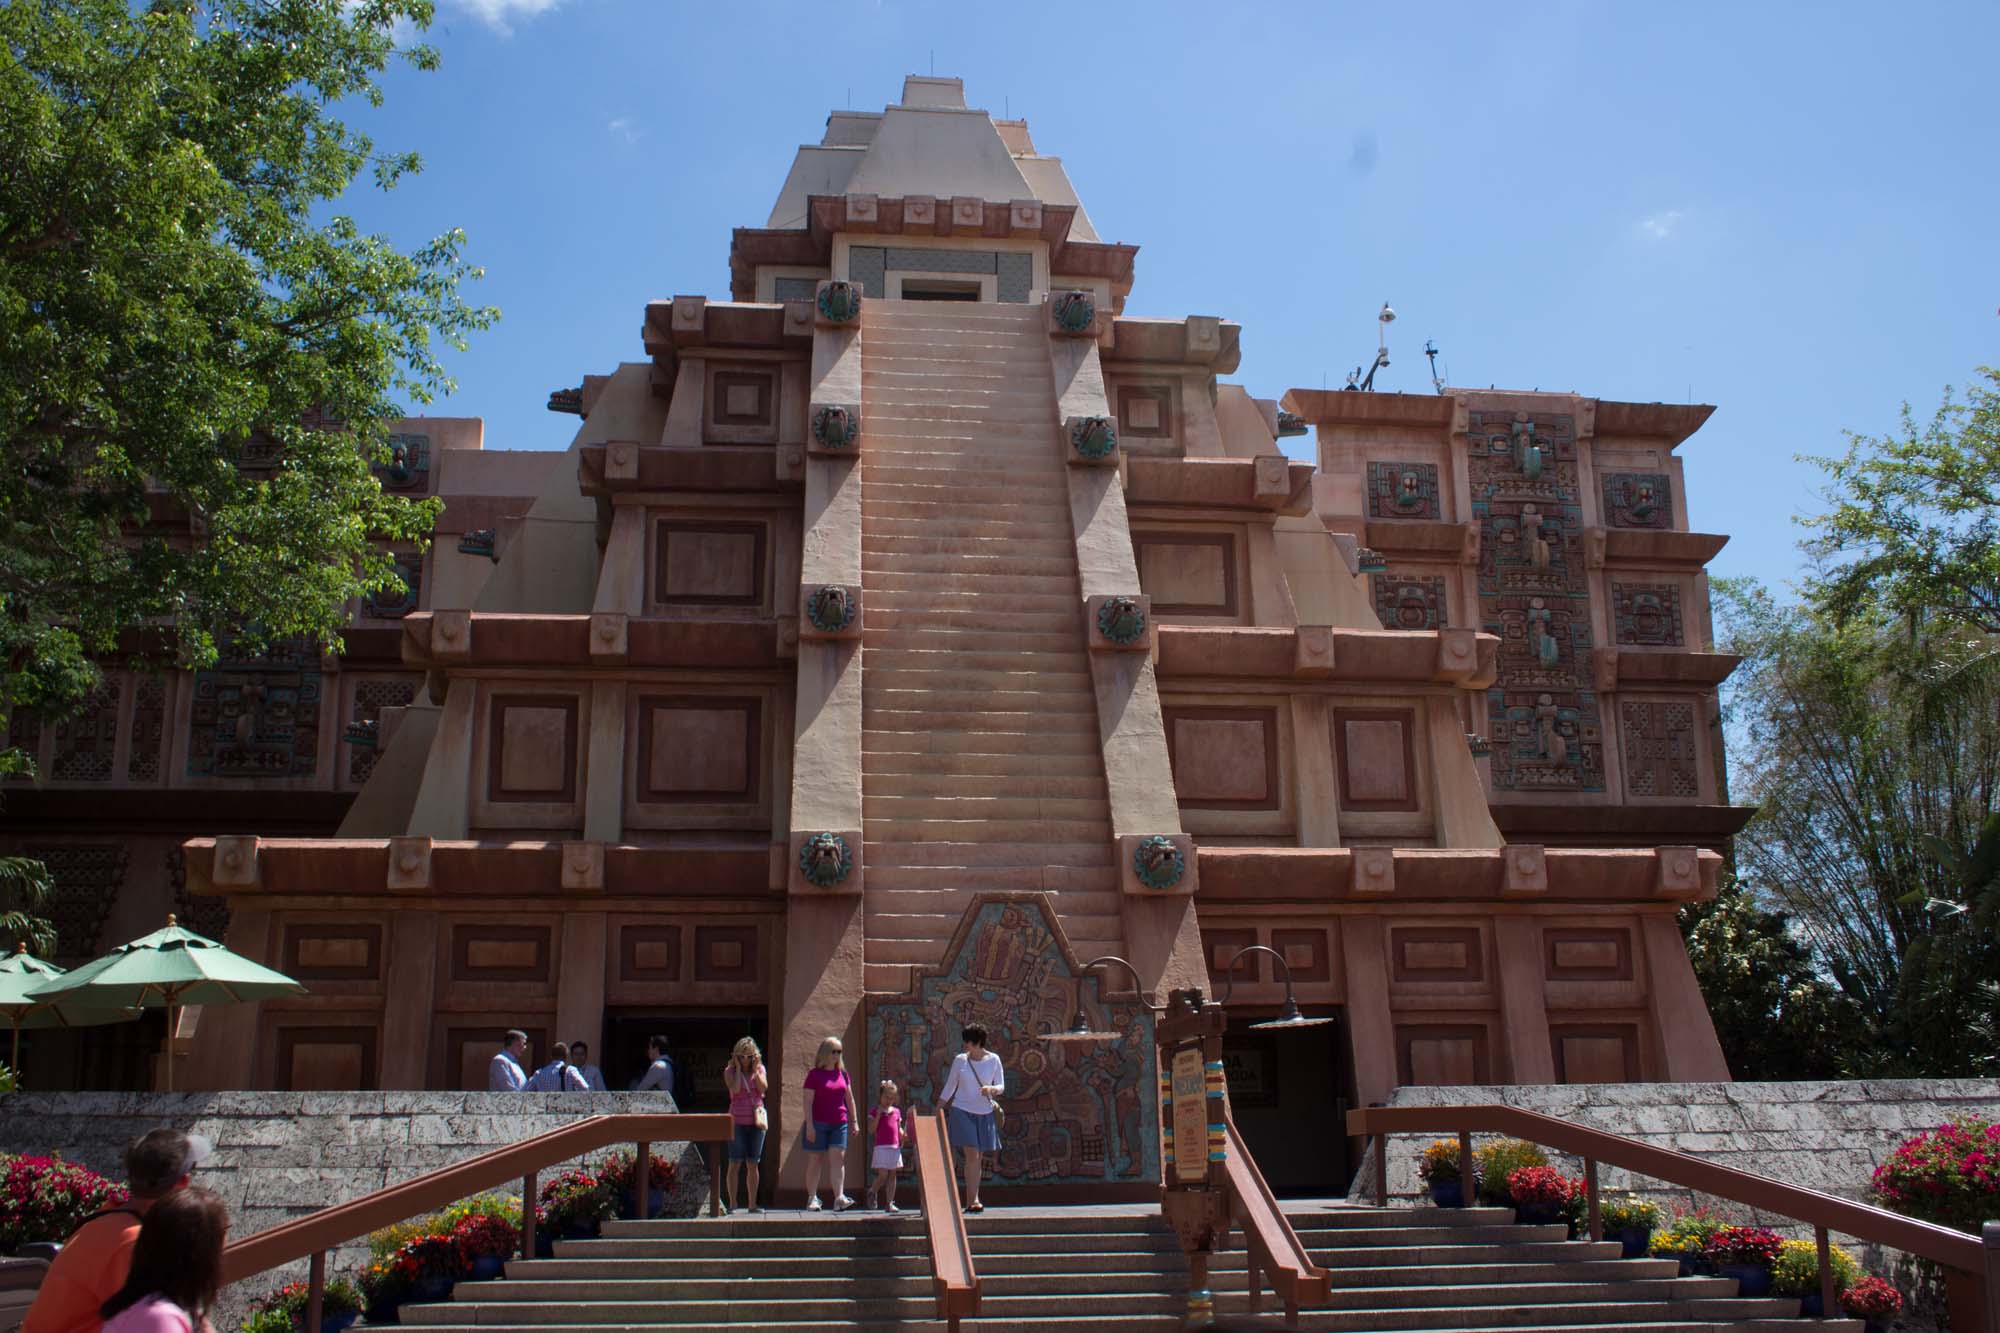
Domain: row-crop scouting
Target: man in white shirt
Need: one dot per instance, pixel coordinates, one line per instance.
(579, 1055)
(508, 1071)
(659, 1075)
(558, 1075)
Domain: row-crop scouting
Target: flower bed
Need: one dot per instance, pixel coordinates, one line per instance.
(1438, 1168)
(46, 1198)
(284, 1310)
(616, 1174)
(1872, 1299)
(1949, 1175)
(1746, 1254)
(1495, 1162)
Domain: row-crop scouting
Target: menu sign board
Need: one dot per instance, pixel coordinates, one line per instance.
(1190, 1115)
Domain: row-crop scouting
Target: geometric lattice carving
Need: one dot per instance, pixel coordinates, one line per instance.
(257, 718)
(1402, 490)
(84, 742)
(87, 878)
(1405, 601)
(1658, 741)
(1638, 500)
(203, 913)
(149, 728)
(1534, 595)
(370, 698)
(1647, 614)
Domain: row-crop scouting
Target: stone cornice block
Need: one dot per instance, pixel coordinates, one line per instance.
(583, 866)
(1158, 865)
(837, 863)
(451, 635)
(1374, 870)
(788, 638)
(236, 863)
(621, 464)
(1312, 650)
(1120, 622)
(1679, 872)
(968, 211)
(1457, 655)
(409, 863)
(919, 210)
(609, 637)
(1090, 441)
(1271, 480)
(1605, 660)
(690, 315)
(798, 319)
(1024, 216)
(863, 208)
(1204, 337)
(829, 611)
(791, 462)
(1524, 869)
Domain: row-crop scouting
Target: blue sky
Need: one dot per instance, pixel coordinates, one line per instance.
(1787, 211)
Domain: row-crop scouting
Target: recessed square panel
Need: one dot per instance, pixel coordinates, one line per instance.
(326, 1059)
(708, 564)
(333, 953)
(1147, 410)
(1224, 758)
(1440, 1056)
(725, 953)
(699, 749)
(650, 953)
(742, 398)
(1375, 751)
(1187, 574)
(1588, 955)
(468, 1051)
(1596, 1053)
(499, 953)
(1436, 953)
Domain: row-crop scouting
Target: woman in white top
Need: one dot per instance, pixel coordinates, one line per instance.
(970, 1090)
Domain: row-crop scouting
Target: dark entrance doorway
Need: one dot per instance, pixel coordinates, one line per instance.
(1289, 1093)
(698, 1042)
(929, 290)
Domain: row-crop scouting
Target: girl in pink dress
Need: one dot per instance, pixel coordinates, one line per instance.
(887, 1135)
(176, 1267)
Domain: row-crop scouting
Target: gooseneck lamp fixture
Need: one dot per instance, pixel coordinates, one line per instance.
(1289, 1016)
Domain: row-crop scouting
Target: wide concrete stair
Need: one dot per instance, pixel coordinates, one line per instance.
(1418, 1270)
(981, 768)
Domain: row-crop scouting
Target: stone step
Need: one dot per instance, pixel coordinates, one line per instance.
(1031, 622)
(1031, 525)
(914, 373)
(951, 902)
(886, 739)
(1055, 564)
(957, 639)
(968, 589)
(930, 949)
(984, 808)
(1449, 1253)
(1028, 768)
(882, 657)
(992, 411)
(936, 504)
(1049, 541)
(979, 722)
(886, 785)
(1056, 680)
(981, 479)
(885, 978)
(984, 830)
(934, 928)
(1055, 702)
(930, 495)
(966, 856)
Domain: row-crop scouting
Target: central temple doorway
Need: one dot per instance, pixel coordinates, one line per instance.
(698, 1042)
(1290, 1093)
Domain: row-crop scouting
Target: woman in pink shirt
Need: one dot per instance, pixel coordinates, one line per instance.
(829, 1112)
(176, 1267)
(744, 1077)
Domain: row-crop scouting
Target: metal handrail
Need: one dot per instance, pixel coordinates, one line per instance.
(954, 1281)
(1964, 1258)
(311, 1236)
(1268, 1233)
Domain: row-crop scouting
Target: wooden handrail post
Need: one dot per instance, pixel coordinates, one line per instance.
(528, 1216)
(642, 1178)
(1590, 1193)
(315, 1291)
(1467, 1170)
(1381, 1170)
(718, 1162)
(1827, 1308)
(1990, 1236)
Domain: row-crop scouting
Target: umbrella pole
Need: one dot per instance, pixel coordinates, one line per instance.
(14, 1061)
(170, 1042)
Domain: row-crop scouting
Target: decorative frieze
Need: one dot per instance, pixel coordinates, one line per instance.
(1638, 500)
(1403, 490)
(1409, 601)
(1647, 615)
(257, 717)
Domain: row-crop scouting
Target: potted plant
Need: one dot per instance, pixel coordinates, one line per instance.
(575, 1204)
(46, 1198)
(384, 1288)
(430, 1267)
(1629, 1220)
(1438, 1167)
(1541, 1194)
(284, 1310)
(616, 1174)
(1746, 1254)
(1795, 1272)
(1872, 1299)
(1495, 1161)
(1686, 1239)
(485, 1244)
(1949, 1175)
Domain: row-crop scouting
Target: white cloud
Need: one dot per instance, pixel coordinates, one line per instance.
(624, 127)
(501, 15)
(1661, 226)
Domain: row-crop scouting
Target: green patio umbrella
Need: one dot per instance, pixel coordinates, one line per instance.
(171, 967)
(24, 972)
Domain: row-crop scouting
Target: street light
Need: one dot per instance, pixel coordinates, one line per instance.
(1289, 1017)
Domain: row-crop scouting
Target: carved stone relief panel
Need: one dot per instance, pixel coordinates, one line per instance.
(85, 743)
(1409, 601)
(1403, 490)
(257, 717)
(1660, 749)
(1638, 500)
(1647, 615)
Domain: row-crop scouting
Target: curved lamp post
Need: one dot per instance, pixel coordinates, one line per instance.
(1289, 1017)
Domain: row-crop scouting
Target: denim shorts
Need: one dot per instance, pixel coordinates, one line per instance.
(967, 1130)
(826, 1138)
(747, 1145)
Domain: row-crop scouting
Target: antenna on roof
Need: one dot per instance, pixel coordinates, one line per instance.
(933, 62)
(1431, 351)
(1383, 319)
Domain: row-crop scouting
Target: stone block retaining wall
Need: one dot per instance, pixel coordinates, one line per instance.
(280, 1155)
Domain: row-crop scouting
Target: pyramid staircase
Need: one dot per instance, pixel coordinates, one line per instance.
(1423, 1270)
(981, 763)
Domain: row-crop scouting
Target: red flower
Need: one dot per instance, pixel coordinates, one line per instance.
(1751, 1246)
(1871, 1298)
(1540, 1185)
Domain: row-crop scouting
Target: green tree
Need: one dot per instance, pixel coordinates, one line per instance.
(1868, 741)
(1915, 522)
(176, 296)
(1776, 1015)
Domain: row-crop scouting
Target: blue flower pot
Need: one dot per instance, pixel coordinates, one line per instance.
(545, 1244)
(1538, 1214)
(1810, 1305)
(655, 1201)
(485, 1267)
(581, 1230)
(427, 1289)
(1753, 1281)
(338, 1323)
(1634, 1240)
(383, 1310)
(1448, 1193)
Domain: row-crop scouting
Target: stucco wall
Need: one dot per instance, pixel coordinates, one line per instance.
(279, 1155)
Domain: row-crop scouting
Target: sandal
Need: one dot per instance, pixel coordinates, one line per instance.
(975, 1208)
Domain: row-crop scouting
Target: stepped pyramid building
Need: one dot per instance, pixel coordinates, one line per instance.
(915, 625)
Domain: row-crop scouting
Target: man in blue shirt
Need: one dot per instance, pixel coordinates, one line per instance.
(508, 1071)
(579, 1055)
(558, 1075)
(659, 1075)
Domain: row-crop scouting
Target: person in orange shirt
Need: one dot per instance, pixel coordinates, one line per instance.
(94, 1261)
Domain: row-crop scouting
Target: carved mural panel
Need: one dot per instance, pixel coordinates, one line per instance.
(257, 717)
(1534, 595)
(1659, 746)
(1075, 1112)
(1403, 490)
(1647, 615)
(1638, 500)
(1409, 601)
(85, 742)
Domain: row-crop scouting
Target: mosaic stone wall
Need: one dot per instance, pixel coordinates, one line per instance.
(1638, 500)
(1407, 601)
(1647, 615)
(1075, 1113)
(1402, 490)
(1659, 748)
(258, 717)
(1534, 594)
